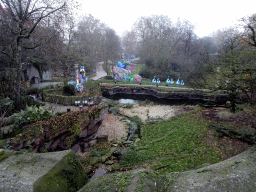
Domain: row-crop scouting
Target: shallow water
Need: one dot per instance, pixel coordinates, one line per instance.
(136, 99)
(131, 101)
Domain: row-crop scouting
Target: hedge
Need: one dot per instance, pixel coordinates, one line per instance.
(67, 100)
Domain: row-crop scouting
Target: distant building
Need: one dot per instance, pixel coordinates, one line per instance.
(29, 72)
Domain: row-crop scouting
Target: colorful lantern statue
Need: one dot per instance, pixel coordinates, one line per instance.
(81, 79)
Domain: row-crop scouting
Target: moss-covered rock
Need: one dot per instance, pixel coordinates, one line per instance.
(140, 180)
(66, 176)
(56, 171)
(235, 174)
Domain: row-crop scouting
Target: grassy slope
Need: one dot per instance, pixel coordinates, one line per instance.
(178, 144)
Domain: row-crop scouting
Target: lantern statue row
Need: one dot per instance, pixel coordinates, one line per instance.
(168, 81)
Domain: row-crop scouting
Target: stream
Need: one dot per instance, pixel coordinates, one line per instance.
(136, 99)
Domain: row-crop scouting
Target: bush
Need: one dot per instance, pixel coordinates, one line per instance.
(94, 152)
(136, 120)
(6, 106)
(114, 110)
(69, 90)
(33, 91)
(111, 103)
(30, 115)
(128, 105)
(146, 73)
(92, 88)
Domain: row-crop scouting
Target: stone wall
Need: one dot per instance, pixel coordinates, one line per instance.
(189, 95)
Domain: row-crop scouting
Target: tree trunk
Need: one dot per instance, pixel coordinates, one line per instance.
(18, 77)
(233, 98)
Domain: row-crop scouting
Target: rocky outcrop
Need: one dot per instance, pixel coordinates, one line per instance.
(56, 171)
(235, 174)
(184, 95)
(140, 179)
(50, 141)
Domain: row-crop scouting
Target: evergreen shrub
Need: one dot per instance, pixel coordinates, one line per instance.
(69, 90)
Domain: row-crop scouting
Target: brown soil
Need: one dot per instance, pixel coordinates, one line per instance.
(243, 121)
(240, 120)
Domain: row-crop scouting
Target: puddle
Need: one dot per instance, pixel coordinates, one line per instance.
(128, 101)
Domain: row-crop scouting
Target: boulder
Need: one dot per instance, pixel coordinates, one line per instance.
(99, 172)
(235, 174)
(75, 148)
(134, 180)
(56, 171)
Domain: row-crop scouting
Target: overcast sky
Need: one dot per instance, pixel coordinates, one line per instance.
(207, 16)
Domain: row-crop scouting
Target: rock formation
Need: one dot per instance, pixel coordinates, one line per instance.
(56, 171)
(186, 95)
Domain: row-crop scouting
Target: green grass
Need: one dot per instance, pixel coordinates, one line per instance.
(177, 145)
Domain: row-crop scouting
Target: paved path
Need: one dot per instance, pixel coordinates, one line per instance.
(99, 71)
(40, 85)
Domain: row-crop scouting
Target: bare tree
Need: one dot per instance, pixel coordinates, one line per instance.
(249, 25)
(129, 43)
(95, 42)
(23, 18)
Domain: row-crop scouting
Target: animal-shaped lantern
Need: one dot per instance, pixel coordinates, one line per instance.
(158, 81)
(154, 80)
(168, 80)
(171, 82)
(182, 83)
(178, 81)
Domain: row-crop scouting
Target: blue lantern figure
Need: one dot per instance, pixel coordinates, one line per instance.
(154, 80)
(158, 81)
(178, 81)
(182, 83)
(171, 82)
(168, 80)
